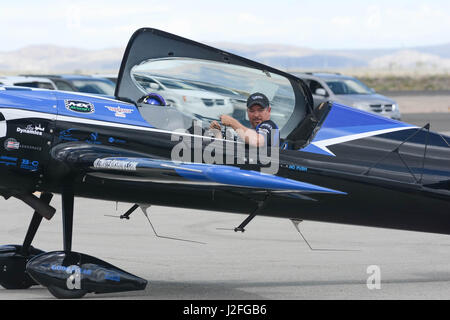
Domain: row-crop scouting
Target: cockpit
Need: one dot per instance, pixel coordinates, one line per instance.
(200, 83)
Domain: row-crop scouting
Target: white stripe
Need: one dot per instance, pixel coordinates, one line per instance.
(180, 168)
(323, 144)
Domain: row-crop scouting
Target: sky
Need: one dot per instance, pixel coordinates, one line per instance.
(324, 24)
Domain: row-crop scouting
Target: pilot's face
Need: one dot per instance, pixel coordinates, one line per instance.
(258, 114)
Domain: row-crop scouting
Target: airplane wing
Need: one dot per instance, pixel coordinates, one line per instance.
(110, 165)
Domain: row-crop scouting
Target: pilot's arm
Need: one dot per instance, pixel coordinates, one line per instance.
(250, 136)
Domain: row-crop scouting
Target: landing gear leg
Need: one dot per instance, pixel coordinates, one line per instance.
(261, 205)
(34, 224)
(67, 219)
(67, 216)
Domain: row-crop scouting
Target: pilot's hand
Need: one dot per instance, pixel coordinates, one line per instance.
(215, 125)
(228, 121)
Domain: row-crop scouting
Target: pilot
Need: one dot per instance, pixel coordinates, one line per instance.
(153, 99)
(258, 111)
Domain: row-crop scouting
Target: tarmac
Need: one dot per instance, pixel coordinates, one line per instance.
(269, 261)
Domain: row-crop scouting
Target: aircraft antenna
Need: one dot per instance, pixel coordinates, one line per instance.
(397, 151)
(296, 223)
(144, 210)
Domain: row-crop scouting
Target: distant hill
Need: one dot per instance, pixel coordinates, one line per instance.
(56, 59)
(431, 57)
(50, 59)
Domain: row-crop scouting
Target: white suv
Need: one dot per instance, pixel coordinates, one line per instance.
(185, 97)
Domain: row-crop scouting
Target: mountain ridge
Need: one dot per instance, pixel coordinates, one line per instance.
(47, 58)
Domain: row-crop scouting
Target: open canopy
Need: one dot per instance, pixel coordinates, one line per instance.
(202, 82)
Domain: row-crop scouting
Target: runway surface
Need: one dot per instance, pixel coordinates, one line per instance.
(269, 261)
(440, 122)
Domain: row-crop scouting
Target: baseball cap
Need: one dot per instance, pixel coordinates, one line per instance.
(259, 99)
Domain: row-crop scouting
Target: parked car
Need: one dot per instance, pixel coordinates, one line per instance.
(31, 82)
(349, 91)
(238, 100)
(82, 83)
(186, 97)
(110, 76)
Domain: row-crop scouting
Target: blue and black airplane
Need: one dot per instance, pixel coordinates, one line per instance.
(335, 163)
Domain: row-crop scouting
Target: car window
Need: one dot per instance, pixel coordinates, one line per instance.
(62, 85)
(35, 84)
(314, 85)
(94, 86)
(348, 86)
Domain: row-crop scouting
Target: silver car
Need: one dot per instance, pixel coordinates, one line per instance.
(349, 91)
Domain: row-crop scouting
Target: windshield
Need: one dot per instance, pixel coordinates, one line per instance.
(348, 86)
(214, 89)
(95, 86)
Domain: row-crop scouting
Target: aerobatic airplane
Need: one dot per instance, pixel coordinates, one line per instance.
(334, 163)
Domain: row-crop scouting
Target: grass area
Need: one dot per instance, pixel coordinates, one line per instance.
(395, 80)
(408, 83)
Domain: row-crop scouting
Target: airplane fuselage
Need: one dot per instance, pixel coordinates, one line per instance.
(404, 189)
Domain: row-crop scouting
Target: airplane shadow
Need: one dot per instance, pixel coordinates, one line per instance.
(229, 290)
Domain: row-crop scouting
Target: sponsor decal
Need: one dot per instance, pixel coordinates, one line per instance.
(79, 106)
(8, 158)
(93, 138)
(34, 148)
(8, 161)
(297, 168)
(115, 140)
(11, 144)
(30, 129)
(115, 164)
(63, 268)
(112, 276)
(29, 165)
(67, 135)
(119, 111)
